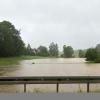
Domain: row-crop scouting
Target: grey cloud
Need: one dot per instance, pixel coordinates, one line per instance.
(70, 22)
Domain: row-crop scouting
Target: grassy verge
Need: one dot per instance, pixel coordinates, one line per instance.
(15, 60)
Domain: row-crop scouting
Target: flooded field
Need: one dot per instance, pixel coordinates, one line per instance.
(51, 67)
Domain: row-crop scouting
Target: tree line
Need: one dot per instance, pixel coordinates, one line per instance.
(93, 54)
(11, 44)
(52, 51)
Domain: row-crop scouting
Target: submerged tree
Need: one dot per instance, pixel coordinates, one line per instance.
(98, 53)
(53, 50)
(98, 47)
(81, 53)
(91, 54)
(68, 51)
(29, 50)
(42, 51)
(98, 50)
(11, 43)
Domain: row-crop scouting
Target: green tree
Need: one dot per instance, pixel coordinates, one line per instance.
(81, 53)
(11, 43)
(98, 47)
(98, 50)
(29, 50)
(68, 51)
(98, 53)
(42, 51)
(53, 50)
(91, 54)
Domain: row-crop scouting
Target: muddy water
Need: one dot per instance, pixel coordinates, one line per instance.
(51, 67)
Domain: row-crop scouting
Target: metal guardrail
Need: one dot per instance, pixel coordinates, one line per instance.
(50, 80)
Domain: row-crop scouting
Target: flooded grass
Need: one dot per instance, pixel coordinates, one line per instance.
(15, 60)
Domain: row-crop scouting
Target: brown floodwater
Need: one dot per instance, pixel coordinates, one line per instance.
(51, 67)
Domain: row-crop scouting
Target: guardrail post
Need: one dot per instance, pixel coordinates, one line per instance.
(24, 88)
(88, 88)
(57, 87)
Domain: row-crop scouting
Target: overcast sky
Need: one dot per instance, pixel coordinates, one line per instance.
(70, 22)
